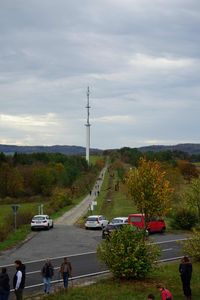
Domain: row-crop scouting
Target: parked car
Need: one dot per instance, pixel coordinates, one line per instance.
(96, 221)
(110, 228)
(154, 225)
(119, 220)
(41, 222)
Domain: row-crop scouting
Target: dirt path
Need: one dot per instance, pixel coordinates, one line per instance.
(71, 216)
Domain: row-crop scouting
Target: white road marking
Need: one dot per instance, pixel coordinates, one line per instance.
(169, 249)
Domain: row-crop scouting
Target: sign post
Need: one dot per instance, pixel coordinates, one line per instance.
(15, 209)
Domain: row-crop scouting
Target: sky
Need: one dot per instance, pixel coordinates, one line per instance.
(140, 58)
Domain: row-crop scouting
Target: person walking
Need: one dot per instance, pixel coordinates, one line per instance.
(19, 279)
(4, 284)
(165, 293)
(185, 270)
(66, 271)
(47, 274)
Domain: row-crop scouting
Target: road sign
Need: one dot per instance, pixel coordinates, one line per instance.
(15, 208)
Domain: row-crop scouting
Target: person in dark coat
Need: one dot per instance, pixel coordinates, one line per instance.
(4, 285)
(19, 279)
(47, 274)
(185, 270)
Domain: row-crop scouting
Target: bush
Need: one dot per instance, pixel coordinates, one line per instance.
(191, 246)
(128, 254)
(60, 198)
(184, 218)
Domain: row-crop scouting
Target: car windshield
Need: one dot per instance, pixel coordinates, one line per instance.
(116, 221)
(135, 219)
(92, 219)
(40, 218)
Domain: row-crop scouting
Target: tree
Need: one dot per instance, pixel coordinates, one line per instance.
(193, 195)
(127, 254)
(191, 246)
(150, 190)
(188, 170)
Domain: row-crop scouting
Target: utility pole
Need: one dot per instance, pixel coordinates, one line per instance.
(88, 127)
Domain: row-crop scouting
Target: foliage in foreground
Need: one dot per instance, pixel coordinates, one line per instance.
(191, 247)
(128, 254)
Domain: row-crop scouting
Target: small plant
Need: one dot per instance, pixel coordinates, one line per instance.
(184, 218)
(128, 254)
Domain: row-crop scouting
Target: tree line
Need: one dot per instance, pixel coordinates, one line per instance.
(27, 175)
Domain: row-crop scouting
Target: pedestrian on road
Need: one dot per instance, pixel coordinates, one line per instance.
(165, 293)
(150, 297)
(66, 271)
(185, 270)
(19, 279)
(4, 285)
(47, 274)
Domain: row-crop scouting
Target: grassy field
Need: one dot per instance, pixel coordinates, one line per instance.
(111, 289)
(113, 203)
(6, 210)
(15, 238)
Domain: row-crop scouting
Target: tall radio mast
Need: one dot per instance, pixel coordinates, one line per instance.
(88, 127)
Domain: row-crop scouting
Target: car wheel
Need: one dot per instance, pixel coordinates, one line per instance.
(52, 225)
(32, 228)
(48, 227)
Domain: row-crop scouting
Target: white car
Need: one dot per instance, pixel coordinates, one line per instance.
(96, 221)
(41, 221)
(119, 220)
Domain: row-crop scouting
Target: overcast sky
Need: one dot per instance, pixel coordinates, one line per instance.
(140, 58)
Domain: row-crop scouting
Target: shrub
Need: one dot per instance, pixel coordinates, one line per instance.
(184, 218)
(60, 198)
(24, 217)
(191, 246)
(128, 254)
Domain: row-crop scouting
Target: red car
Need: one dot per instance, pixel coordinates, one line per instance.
(155, 225)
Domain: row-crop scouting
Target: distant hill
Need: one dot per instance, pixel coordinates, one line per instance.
(188, 148)
(78, 150)
(68, 150)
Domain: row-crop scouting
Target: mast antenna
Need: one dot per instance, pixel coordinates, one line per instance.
(88, 126)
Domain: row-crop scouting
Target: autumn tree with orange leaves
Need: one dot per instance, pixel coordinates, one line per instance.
(149, 189)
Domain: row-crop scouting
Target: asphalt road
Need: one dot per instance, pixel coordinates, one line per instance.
(76, 243)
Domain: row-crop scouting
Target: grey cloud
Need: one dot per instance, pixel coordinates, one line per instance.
(140, 58)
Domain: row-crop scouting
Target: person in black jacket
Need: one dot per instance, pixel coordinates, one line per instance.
(4, 285)
(47, 274)
(185, 269)
(19, 279)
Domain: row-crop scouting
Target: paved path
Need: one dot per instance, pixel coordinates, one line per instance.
(71, 216)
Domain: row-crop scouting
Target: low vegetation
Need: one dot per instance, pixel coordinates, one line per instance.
(115, 289)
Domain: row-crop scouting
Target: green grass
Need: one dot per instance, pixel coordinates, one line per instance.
(7, 209)
(15, 237)
(135, 290)
(119, 204)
